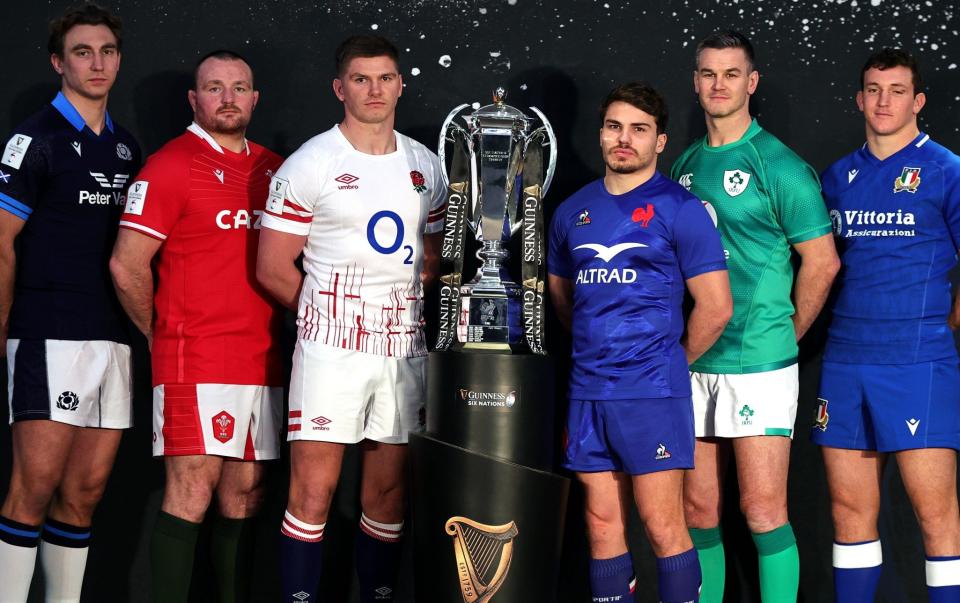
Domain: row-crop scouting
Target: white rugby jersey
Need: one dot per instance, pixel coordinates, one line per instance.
(364, 216)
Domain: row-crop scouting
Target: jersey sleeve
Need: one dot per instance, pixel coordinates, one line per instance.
(797, 202)
(697, 241)
(23, 168)
(156, 199)
(951, 200)
(559, 262)
(438, 202)
(294, 191)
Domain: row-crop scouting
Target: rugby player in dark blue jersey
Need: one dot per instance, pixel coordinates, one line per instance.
(623, 250)
(63, 179)
(890, 382)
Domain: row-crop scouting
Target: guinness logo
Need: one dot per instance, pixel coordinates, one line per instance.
(484, 553)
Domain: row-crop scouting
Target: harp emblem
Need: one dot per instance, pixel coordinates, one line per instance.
(483, 555)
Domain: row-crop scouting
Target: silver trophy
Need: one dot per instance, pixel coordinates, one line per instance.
(500, 168)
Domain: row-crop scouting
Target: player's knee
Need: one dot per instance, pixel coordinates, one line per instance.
(187, 496)
(850, 514)
(75, 504)
(938, 518)
(310, 502)
(663, 530)
(240, 501)
(701, 512)
(763, 511)
(382, 498)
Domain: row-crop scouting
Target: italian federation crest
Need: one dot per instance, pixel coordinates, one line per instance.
(909, 180)
(735, 182)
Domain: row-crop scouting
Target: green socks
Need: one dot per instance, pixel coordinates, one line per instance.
(713, 564)
(231, 543)
(172, 550)
(779, 565)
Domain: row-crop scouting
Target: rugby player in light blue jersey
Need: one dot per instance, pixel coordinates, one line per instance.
(890, 380)
(623, 250)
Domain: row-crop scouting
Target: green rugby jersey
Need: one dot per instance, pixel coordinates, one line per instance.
(763, 198)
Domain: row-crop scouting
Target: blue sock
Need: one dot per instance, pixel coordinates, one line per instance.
(612, 579)
(301, 556)
(378, 559)
(678, 577)
(943, 579)
(856, 570)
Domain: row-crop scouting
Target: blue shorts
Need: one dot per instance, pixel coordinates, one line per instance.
(633, 436)
(889, 407)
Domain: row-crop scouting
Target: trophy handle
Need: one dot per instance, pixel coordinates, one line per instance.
(441, 142)
(552, 163)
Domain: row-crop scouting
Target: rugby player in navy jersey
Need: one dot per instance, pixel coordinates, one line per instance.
(623, 250)
(63, 179)
(890, 383)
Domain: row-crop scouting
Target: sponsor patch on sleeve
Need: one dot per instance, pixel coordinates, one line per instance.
(136, 198)
(278, 192)
(15, 150)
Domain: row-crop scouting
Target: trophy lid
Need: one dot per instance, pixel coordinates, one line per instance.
(499, 111)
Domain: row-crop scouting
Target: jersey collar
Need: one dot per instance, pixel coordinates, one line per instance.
(70, 113)
(200, 132)
(921, 139)
(752, 130)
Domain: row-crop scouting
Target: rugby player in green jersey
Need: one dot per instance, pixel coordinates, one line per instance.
(766, 201)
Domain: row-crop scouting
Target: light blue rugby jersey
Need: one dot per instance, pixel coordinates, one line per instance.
(897, 226)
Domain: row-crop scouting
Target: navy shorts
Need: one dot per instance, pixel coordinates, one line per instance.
(889, 407)
(636, 436)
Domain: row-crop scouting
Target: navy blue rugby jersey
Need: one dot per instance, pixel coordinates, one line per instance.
(69, 185)
(897, 227)
(628, 257)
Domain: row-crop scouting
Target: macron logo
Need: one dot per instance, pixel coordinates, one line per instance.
(912, 425)
(851, 175)
(608, 253)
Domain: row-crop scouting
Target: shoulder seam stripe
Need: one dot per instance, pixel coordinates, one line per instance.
(144, 229)
(16, 204)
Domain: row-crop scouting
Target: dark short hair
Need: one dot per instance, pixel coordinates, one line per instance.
(224, 55)
(641, 95)
(728, 39)
(85, 14)
(894, 57)
(365, 46)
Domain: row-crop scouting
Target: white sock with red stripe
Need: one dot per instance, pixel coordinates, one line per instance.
(301, 555)
(378, 558)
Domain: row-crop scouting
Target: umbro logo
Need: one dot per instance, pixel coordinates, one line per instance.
(301, 596)
(347, 181)
(321, 423)
(851, 175)
(383, 592)
(219, 175)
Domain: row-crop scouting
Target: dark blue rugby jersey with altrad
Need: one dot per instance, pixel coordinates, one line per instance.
(69, 185)
(628, 257)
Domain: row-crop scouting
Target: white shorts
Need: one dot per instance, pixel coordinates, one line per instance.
(346, 396)
(735, 406)
(236, 421)
(82, 383)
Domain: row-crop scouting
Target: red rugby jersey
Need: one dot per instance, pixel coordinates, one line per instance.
(214, 322)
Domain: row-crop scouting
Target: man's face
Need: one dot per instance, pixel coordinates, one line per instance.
(369, 89)
(888, 101)
(629, 139)
(224, 98)
(724, 81)
(90, 61)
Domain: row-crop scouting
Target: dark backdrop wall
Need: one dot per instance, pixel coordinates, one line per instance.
(561, 57)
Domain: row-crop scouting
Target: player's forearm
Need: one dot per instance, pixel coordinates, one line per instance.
(810, 293)
(8, 268)
(283, 282)
(134, 286)
(953, 321)
(704, 327)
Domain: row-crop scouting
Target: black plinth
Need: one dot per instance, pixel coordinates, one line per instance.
(487, 458)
